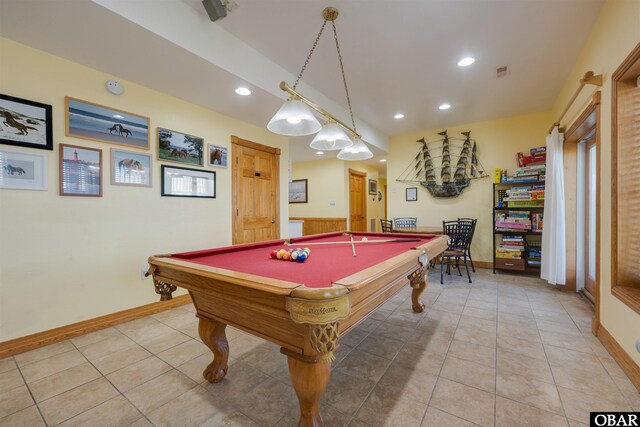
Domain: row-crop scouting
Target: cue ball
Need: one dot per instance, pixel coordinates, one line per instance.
(364, 239)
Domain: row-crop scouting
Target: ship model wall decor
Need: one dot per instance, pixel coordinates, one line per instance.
(434, 172)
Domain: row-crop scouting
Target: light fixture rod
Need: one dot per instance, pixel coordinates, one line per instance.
(285, 87)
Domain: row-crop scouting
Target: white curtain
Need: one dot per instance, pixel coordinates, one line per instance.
(553, 268)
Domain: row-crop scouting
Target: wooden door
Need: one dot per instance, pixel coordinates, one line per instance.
(591, 182)
(357, 200)
(255, 184)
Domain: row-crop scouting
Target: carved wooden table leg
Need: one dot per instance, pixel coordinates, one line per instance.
(419, 284)
(212, 334)
(309, 380)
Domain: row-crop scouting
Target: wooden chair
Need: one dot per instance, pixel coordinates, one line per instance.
(405, 222)
(459, 233)
(473, 222)
(386, 225)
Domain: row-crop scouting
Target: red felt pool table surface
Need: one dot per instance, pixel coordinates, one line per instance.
(326, 264)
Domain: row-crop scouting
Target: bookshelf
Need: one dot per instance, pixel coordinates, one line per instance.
(517, 230)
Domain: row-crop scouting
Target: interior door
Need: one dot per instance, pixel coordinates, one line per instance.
(591, 182)
(357, 200)
(255, 187)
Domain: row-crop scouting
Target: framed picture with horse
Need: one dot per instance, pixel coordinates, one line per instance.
(217, 156)
(96, 122)
(180, 147)
(22, 170)
(129, 168)
(25, 123)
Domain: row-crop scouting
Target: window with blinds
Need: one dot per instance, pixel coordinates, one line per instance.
(626, 185)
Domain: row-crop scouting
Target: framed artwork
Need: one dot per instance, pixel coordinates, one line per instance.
(23, 171)
(180, 147)
(129, 168)
(80, 171)
(217, 156)
(373, 187)
(185, 182)
(411, 194)
(87, 120)
(298, 191)
(25, 123)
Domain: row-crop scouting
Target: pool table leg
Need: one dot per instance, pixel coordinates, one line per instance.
(418, 282)
(212, 334)
(309, 380)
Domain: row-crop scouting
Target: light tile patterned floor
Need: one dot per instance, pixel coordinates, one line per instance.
(504, 351)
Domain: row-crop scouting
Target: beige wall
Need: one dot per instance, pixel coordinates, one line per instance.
(325, 184)
(68, 259)
(328, 186)
(615, 34)
(498, 142)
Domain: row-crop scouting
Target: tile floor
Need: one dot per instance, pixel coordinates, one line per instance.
(505, 351)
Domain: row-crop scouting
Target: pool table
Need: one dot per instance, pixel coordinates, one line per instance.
(303, 307)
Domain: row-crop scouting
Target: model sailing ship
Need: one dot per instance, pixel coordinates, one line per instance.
(465, 166)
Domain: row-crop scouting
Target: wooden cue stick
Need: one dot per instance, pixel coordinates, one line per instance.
(359, 242)
(353, 246)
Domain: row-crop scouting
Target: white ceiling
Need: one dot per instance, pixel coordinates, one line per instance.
(400, 56)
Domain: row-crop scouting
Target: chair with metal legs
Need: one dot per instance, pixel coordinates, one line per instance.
(459, 233)
(473, 231)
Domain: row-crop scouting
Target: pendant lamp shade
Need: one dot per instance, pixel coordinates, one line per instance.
(294, 118)
(357, 151)
(331, 137)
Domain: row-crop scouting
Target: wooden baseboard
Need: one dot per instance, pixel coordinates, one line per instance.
(483, 264)
(30, 342)
(625, 361)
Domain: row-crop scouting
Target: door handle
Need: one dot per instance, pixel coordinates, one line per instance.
(273, 221)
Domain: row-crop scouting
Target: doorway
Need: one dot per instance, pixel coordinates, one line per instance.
(357, 201)
(255, 187)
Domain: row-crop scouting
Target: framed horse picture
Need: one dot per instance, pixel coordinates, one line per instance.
(129, 168)
(25, 123)
(86, 120)
(22, 170)
(180, 147)
(217, 156)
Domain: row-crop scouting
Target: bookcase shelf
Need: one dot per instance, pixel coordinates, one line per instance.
(515, 264)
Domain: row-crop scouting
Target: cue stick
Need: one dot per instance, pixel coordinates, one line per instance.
(353, 246)
(359, 242)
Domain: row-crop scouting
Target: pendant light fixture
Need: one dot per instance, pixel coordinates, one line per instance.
(295, 117)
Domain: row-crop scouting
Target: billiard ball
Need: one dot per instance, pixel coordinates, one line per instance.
(294, 255)
(302, 257)
(286, 256)
(364, 239)
(274, 254)
(281, 253)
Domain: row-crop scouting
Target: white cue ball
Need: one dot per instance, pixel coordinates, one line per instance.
(364, 239)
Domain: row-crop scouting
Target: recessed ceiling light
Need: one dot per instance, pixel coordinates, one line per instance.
(399, 116)
(319, 153)
(243, 91)
(383, 160)
(465, 62)
(444, 106)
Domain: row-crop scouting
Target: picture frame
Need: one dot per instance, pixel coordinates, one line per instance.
(86, 120)
(373, 187)
(298, 191)
(21, 170)
(130, 169)
(80, 171)
(217, 156)
(25, 123)
(411, 194)
(179, 147)
(186, 182)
